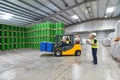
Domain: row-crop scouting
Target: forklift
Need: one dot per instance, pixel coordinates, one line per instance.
(71, 48)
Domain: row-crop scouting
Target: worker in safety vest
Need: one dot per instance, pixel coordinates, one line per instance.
(65, 41)
(94, 46)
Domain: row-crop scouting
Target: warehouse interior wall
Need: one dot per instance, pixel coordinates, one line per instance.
(95, 25)
(101, 27)
(101, 35)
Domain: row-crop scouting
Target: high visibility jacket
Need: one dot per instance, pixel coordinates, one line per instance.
(68, 42)
(93, 43)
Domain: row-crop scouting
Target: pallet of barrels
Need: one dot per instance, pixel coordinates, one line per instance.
(46, 46)
(11, 37)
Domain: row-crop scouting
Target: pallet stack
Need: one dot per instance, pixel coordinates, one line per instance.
(43, 32)
(13, 37)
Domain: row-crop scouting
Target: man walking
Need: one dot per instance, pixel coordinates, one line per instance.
(94, 46)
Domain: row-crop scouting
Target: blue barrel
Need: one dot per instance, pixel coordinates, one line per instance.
(50, 47)
(43, 46)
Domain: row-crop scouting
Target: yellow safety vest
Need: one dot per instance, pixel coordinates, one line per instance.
(93, 43)
(68, 41)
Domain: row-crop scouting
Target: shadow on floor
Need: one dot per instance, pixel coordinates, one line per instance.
(47, 55)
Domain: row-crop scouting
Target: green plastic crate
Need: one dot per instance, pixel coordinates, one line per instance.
(3, 47)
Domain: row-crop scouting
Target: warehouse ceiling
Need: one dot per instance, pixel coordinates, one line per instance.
(27, 12)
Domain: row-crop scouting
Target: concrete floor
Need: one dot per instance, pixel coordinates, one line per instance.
(32, 65)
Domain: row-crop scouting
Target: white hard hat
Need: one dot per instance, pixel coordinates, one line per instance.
(93, 34)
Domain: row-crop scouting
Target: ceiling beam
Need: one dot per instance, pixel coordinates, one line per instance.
(116, 8)
(87, 10)
(15, 12)
(22, 19)
(44, 5)
(76, 2)
(55, 4)
(25, 9)
(77, 15)
(106, 8)
(60, 9)
(59, 12)
(12, 23)
(65, 18)
(62, 20)
(92, 9)
(71, 8)
(69, 16)
(19, 18)
(34, 7)
(58, 20)
(16, 20)
(82, 12)
(52, 20)
(98, 9)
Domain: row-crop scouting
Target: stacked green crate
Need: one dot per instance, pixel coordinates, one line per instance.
(42, 32)
(25, 38)
(1, 46)
(59, 29)
(11, 37)
(0, 37)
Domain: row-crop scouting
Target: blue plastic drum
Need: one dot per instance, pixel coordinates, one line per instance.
(43, 46)
(50, 47)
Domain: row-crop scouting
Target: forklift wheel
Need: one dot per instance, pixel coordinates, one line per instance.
(77, 53)
(58, 53)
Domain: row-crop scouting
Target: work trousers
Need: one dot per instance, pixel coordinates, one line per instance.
(94, 54)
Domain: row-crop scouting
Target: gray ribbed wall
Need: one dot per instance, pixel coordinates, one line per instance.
(93, 26)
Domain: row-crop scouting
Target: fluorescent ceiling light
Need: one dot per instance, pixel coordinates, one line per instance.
(110, 9)
(105, 16)
(7, 16)
(118, 20)
(86, 11)
(75, 17)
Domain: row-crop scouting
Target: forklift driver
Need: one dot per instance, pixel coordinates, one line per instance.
(63, 43)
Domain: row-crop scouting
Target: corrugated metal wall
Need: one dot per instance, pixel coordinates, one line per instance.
(97, 25)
